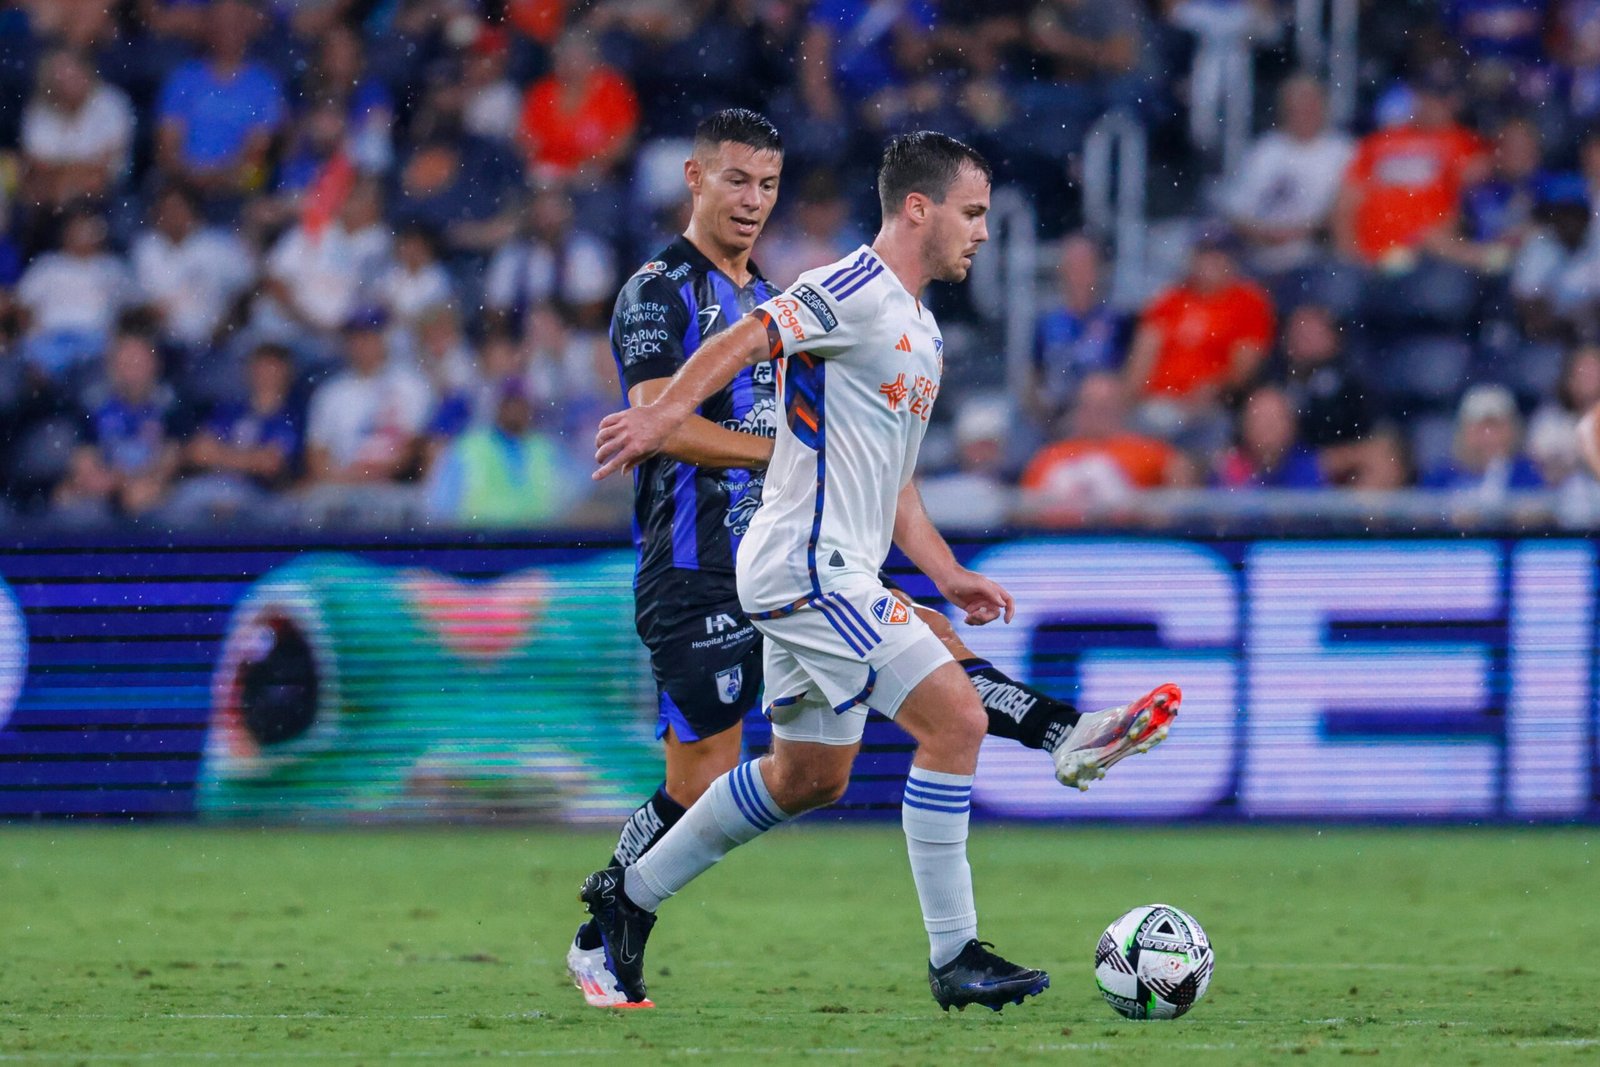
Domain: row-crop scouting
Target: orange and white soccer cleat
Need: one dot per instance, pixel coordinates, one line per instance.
(1102, 738)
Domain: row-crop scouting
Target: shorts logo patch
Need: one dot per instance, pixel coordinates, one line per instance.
(890, 611)
(819, 307)
(730, 683)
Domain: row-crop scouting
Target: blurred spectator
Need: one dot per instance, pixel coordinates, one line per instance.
(319, 275)
(976, 496)
(315, 172)
(1489, 460)
(462, 187)
(129, 449)
(1078, 334)
(1577, 48)
(579, 118)
(493, 106)
(1078, 59)
(1505, 41)
(364, 425)
(1099, 463)
(1281, 199)
(1577, 391)
(446, 361)
(1197, 342)
(504, 472)
(855, 53)
(243, 452)
(191, 273)
(70, 299)
(340, 78)
(817, 231)
(552, 266)
(414, 284)
(77, 133)
(1335, 416)
(1402, 193)
(1501, 208)
(219, 114)
(1556, 274)
(1269, 453)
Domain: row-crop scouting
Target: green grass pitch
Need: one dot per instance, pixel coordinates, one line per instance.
(182, 945)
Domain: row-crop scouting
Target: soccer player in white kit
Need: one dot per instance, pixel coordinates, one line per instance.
(860, 369)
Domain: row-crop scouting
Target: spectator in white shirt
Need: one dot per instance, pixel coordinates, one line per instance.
(365, 424)
(1285, 190)
(319, 276)
(192, 274)
(415, 283)
(555, 265)
(493, 105)
(70, 299)
(76, 133)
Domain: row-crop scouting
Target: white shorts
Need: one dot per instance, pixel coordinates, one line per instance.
(849, 650)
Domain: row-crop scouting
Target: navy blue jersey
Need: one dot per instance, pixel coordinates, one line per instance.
(688, 520)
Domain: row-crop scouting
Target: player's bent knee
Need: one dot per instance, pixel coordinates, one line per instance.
(802, 779)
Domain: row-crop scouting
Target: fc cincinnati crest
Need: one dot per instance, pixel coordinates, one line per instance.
(729, 683)
(889, 611)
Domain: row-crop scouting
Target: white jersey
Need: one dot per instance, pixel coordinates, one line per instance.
(859, 370)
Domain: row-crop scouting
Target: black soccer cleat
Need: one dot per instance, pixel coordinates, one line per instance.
(624, 928)
(978, 976)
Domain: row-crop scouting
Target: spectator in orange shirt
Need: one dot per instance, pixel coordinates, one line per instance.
(1099, 464)
(1197, 342)
(1402, 193)
(581, 116)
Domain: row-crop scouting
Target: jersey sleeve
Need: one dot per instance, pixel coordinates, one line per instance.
(810, 317)
(647, 330)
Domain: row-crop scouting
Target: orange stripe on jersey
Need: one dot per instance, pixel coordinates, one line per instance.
(774, 338)
(805, 416)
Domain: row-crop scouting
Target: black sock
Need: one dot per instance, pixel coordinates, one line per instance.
(648, 824)
(1018, 711)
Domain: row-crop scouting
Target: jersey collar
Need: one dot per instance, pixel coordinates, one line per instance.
(682, 246)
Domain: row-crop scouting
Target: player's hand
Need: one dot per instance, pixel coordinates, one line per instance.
(628, 438)
(982, 599)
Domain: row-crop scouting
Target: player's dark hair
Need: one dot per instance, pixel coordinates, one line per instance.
(924, 162)
(739, 125)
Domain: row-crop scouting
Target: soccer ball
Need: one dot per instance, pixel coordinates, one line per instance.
(1153, 963)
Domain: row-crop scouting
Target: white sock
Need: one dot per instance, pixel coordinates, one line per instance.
(934, 814)
(737, 808)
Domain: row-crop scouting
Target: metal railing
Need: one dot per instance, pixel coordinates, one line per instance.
(1325, 37)
(1006, 282)
(1115, 173)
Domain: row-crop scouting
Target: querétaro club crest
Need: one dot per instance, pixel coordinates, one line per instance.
(730, 683)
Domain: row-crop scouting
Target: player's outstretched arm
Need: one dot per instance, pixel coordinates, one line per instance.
(627, 437)
(982, 599)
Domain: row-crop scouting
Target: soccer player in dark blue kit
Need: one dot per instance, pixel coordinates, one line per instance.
(694, 499)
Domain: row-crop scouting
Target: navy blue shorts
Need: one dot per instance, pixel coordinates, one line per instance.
(707, 666)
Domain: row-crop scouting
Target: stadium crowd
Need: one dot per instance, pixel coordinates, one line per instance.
(353, 260)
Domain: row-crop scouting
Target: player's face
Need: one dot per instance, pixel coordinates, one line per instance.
(734, 190)
(958, 226)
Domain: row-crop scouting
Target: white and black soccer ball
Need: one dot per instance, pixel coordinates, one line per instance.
(1153, 963)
